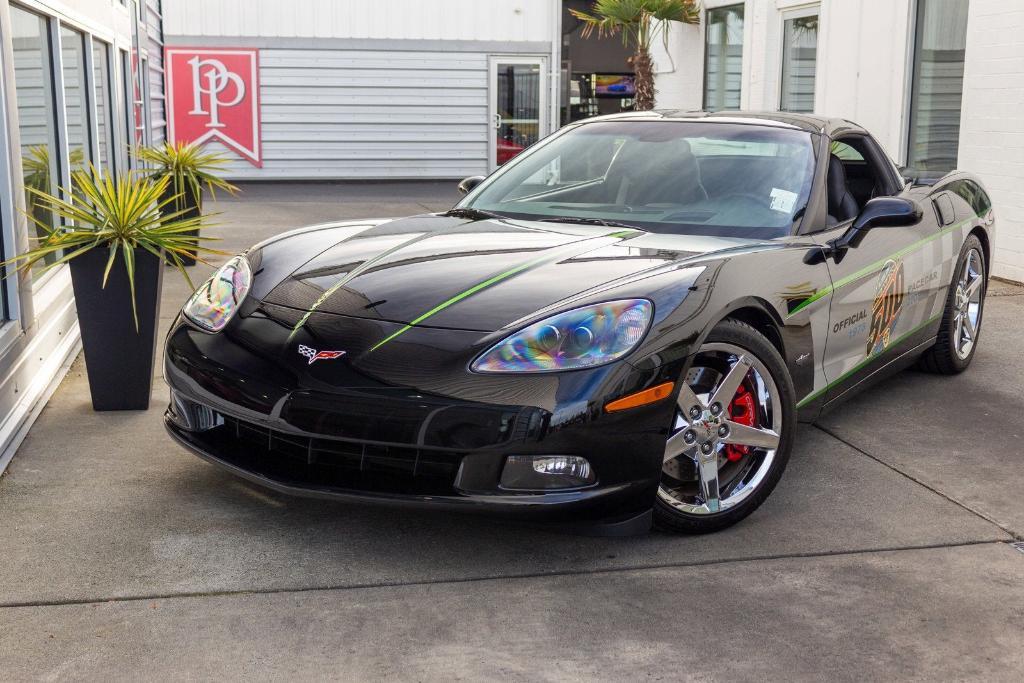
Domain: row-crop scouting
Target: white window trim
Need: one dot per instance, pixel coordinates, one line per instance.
(796, 10)
(748, 32)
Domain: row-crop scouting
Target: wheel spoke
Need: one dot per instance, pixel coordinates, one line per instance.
(730, 383)
(742, 435)
(707, 465)
(968, 326)
(958, 330)
(677, 446)
(972, 288)
(687, 399)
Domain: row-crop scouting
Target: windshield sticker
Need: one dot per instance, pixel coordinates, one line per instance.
(783, 200)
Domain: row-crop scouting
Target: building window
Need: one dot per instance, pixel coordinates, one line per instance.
(37, 122)
(104, 103)
(125, 85)
(723, 58)
(799, 62)
(76, 109)
(937, 86)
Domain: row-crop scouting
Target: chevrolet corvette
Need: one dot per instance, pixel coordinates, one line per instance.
(622, 325)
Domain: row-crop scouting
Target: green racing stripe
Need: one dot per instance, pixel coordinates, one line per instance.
(493, 280)
(875, 267)
(867, 361)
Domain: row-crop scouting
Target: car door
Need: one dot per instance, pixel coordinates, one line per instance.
(886, 290)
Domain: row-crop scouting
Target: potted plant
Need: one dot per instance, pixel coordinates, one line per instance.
(115, 240)
(188, 169)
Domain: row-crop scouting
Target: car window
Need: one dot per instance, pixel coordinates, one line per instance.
(845, 152)
(663, 176)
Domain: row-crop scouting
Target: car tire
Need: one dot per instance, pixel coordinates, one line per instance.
(949, 355)
(730, 342)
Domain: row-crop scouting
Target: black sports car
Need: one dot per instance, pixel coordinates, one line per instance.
(630, 316)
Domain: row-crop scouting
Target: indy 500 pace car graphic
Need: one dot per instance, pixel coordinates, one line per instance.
(625, 321)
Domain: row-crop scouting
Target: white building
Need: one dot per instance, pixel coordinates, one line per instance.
(81, 82)
(390, 88)
(405, 88)
(940, 83)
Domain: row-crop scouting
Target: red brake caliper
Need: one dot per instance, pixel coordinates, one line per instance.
(741, 411)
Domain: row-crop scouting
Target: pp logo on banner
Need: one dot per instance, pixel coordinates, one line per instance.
(214, 94)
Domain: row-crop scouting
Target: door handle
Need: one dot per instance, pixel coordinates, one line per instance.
(497, 121)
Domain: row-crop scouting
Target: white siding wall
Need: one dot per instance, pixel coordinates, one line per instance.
(336, 113)
(492, 20)
(992, 126)
(385, 89)
(154, 42)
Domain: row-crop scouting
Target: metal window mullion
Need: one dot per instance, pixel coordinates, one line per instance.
(60, 111)
(122, 59)
(114, 105)
(17, 291)
(91, 105)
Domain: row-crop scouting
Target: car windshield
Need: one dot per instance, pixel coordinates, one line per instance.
(686, 177)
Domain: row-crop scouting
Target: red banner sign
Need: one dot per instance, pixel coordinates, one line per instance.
(214, 94)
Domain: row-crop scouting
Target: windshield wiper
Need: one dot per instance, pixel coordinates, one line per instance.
(590, 221)
(471, 214)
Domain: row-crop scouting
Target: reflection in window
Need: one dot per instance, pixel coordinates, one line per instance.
(723, 58)
(799, 62)
(130, 112)
(33, 82)
(101, 84)
(76, 110)
(519, 109)
(937, 90)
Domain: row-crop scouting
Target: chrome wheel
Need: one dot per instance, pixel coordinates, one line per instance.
(967, 302)
(725, 434)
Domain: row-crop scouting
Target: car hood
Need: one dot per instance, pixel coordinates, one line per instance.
(446, 272)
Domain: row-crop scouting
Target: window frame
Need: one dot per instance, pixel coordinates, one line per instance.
(705, 52)
(788, 15)
(24, 300)
(111, 102)
(59, 120)
(912, 72)
(89, 125)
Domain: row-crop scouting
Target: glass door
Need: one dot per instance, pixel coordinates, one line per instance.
(518, 106)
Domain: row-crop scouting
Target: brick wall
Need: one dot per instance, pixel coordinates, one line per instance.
(992, 125)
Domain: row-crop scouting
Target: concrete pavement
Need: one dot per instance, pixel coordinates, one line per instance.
(883, 553)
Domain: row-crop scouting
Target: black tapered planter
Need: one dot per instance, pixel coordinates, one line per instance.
(118, 359)
(191, 203)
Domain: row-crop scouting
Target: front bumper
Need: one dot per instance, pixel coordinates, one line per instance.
(271, 421)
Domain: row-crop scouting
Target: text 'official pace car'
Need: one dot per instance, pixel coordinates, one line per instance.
(627, 319)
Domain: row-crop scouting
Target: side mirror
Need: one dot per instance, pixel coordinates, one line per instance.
(880, 212)
(467, 185)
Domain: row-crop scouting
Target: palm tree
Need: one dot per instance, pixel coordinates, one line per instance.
(641, 22)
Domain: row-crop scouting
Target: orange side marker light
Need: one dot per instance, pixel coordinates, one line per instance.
(641, 398)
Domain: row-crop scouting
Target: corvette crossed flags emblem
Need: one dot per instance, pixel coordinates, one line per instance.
(313, 355)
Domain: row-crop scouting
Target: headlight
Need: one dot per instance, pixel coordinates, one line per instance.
(580, 338)
(212, 305)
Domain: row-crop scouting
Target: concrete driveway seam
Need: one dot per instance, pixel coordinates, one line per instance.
(1015, 535)
(497, 577)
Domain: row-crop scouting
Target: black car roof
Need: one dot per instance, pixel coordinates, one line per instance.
(811, 123)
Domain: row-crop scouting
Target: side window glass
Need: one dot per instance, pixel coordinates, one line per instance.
(844, 151)
(944, 209)
(972, 193)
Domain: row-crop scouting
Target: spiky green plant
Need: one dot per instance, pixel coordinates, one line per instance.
(119, 214)
(640, 22)
(189, 169)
